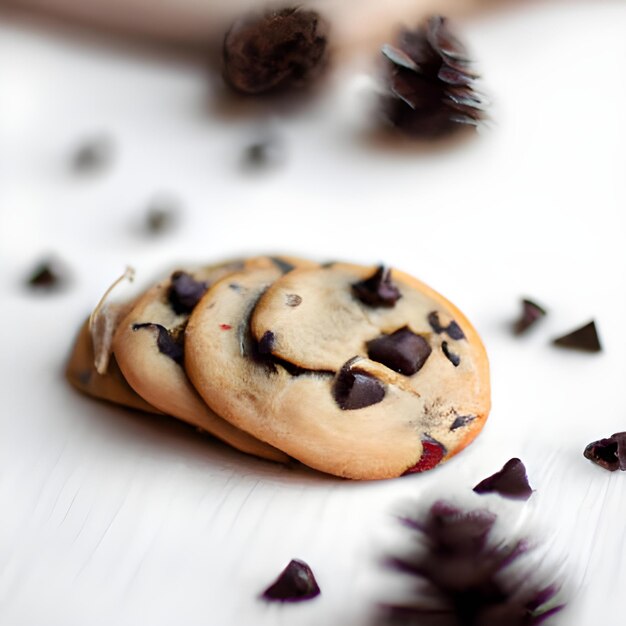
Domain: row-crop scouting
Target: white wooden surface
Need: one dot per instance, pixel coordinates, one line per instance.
(110, 517)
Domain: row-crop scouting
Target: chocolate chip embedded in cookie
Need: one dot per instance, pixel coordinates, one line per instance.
(355, 388)
(149, 347)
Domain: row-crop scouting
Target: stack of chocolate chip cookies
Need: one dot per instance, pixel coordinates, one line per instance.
(360, 372)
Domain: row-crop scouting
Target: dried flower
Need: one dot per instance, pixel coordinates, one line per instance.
(464, 575)
(274, 50)
(431, 82)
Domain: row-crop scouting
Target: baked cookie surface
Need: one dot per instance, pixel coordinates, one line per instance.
(360, 372)
(149, 345)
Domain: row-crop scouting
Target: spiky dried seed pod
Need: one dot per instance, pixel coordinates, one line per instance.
(431, 82)
(464, 577)
(273, 51)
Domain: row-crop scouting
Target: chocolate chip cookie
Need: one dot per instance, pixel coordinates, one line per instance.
(360, 372)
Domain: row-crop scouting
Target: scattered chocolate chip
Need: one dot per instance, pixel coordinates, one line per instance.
(455, 359)
(296, 582)
(402, 351)
(264, 154)
(462, 420)
(185, 292)
(276, 50)
(284, 266)
(169, 343)
(531, 313)
(356, 389)
(609, 453)
(377, 290)
(163, 215)
(95, 154)
(293, 299)
(48, 275)
(266, 343)
(584, 338)
(430, 82)
(511, 482)
(432, 453)
(453, 330)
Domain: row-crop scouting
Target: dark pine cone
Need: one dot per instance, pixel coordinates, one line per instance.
(273, 51)
(431, 82)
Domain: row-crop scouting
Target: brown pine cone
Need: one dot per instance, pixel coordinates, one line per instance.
(274, 51)
(431, 82)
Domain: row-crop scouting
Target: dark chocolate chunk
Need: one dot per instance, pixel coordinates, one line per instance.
(430, 82)
(266, 343)
(170, 343)
(356, 389)
(402, 351)
(377, 290)
(282, 265)
(609, 453)
(94, 154)
(462, 420)
(295, 583)
(511, 482)
(185, 292)
(432, 453)
(293, 299)
(272, 51)
(455, 359)
(48, 275)
(531, 313)
(453, 330)
(584, 338)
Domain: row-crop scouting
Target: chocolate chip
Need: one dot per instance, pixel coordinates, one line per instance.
(453, 330)
(356, 389)
(170, 343)
(377, 290)
(455, 359)
(609, 453)
(531, 313)
(185, 292)
(272, 51)
(162, 215)
(284, 266)
(511, 482)
(94, 154)
(266, 343)
(584, 338)
(432, 453)
(462, 420)
(293, 299)
(402, 351)
(296, 582)
(48, 275)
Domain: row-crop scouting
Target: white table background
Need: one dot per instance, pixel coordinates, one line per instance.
(110, 517)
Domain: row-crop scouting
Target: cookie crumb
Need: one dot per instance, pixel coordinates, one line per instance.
(94, 154)
(47, 276)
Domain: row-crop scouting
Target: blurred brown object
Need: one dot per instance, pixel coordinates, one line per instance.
(355, 24)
